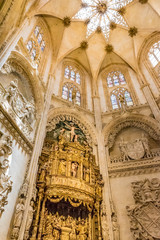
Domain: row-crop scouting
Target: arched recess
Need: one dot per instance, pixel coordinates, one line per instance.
(61, 114)
(145, 123)
(143, 61)
(20, 65)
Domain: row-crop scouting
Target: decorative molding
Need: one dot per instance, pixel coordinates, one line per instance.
(137, 167)
(5, 181)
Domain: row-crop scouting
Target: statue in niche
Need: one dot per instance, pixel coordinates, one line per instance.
(74, 169)
(86, 174)
(5, 145)
(18, 218)
(5, 184)
(82, 229)
(29, 219)
(62, 167)
(104, 222)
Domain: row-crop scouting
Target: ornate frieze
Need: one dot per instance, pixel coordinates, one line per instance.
(145, 214)
(5, 179)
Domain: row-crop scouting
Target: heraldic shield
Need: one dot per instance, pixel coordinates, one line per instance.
(135, 150)
(149, 218)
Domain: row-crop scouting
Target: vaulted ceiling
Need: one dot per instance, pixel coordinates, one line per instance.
(67, 40)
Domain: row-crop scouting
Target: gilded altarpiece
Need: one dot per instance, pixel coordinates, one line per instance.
(69, 188)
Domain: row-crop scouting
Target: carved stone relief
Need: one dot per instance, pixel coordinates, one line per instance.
(5, 181)
(133, 144)
(21, 111)
(145, 214)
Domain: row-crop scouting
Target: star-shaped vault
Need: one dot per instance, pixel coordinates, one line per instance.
(99, 14)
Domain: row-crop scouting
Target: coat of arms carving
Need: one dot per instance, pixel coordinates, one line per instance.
(145, 214)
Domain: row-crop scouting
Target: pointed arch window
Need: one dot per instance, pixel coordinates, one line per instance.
(67, 90)
(115, 78)
(72, 74)
(154, 54)
(118, 95)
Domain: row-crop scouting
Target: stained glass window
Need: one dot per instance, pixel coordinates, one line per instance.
(39, 38)
(114, 102)
(128, 98)
(29, 45)
(78, 98)
(65, 92)
(78, 78)
(115, 79)
(67, 72)
(154, 54)
(36, 31)
(72, 74)
(43, 45)
(120, 96)
(72, 78)
(33, 54)
(70, 94)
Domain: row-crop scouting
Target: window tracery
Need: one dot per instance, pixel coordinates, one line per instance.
(36, 45)
(154, 54)
(72, 74)
(115, 78)
(119, 91)
(117, 95)
(67, 91)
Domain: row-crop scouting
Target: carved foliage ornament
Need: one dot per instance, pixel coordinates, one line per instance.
(145, 214)
(5, 181)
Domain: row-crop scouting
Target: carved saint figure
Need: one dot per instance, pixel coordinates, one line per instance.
(30, 216)
(62, 167)
(74, 169)
(19, 213)
(82, 231)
